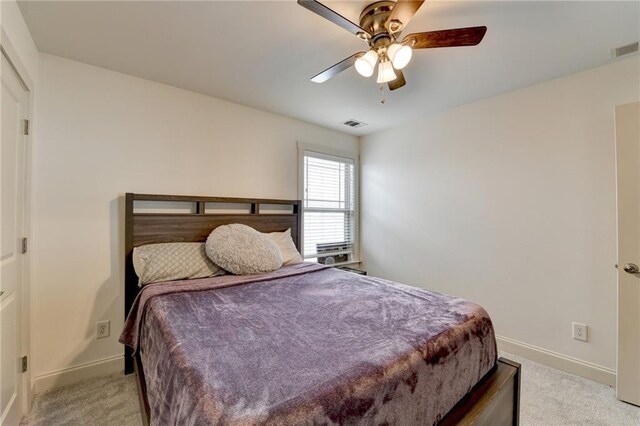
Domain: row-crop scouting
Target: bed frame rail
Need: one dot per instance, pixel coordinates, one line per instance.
(494, 401)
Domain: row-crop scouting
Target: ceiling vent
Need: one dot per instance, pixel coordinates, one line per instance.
(624, 50)
(354, 123)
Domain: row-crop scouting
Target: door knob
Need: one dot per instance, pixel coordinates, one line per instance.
(631, 268)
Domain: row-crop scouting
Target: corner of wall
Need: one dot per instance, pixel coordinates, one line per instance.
(18, 43)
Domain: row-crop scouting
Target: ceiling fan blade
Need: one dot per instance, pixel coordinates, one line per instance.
(398, 82)
(331, 15)
(402, 12)
(332, 71)
(446, 38)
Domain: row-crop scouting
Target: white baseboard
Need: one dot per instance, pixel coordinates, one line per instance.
(71, 375)
(562, 362)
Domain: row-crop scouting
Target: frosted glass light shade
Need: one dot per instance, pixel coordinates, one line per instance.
(385, 72)
(400, 55)
(367, 63)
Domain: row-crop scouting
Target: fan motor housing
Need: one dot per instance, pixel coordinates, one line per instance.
(373, 18)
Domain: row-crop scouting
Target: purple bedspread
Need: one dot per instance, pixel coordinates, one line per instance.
(306, 345)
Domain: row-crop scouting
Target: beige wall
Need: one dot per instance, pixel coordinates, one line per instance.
(509, 202)
(101, 134)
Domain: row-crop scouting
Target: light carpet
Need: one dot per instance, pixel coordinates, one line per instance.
(105, 401)
(550, 397)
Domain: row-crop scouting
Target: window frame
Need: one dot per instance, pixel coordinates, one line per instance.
(331, 153)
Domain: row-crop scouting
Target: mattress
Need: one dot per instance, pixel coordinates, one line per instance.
(306, 345)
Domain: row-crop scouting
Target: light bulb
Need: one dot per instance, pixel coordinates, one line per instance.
(385, 72)
(400, 55)
(367, 63)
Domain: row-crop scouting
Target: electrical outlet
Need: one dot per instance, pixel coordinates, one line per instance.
(103, 329)
(580, 331)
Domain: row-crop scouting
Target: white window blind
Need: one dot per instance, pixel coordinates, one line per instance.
(328, 207)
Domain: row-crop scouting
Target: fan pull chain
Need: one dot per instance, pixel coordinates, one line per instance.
(382, 98)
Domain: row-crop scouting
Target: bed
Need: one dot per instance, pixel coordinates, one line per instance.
(306, 344)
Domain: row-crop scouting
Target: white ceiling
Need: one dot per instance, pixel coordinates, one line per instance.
(262, 53)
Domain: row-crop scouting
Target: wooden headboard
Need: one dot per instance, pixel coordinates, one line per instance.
(194, 225)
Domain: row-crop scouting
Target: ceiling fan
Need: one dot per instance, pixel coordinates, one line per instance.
(380, 26)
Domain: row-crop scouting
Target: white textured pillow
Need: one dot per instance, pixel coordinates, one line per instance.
(290, 254)
(172, 261)
(242, 250)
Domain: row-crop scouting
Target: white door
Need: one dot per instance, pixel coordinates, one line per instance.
(12, 153)
(628, 181)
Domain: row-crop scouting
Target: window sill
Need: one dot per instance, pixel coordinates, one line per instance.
(351, 262)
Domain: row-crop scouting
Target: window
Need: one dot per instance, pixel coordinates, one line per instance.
(329, 207)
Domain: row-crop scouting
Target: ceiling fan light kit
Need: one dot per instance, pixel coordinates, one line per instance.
(397, 55)
(380, 26)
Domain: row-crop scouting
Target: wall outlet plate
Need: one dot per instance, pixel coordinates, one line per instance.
(580, 331)
(103, 329)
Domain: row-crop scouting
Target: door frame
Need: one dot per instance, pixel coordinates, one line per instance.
(10, 53)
